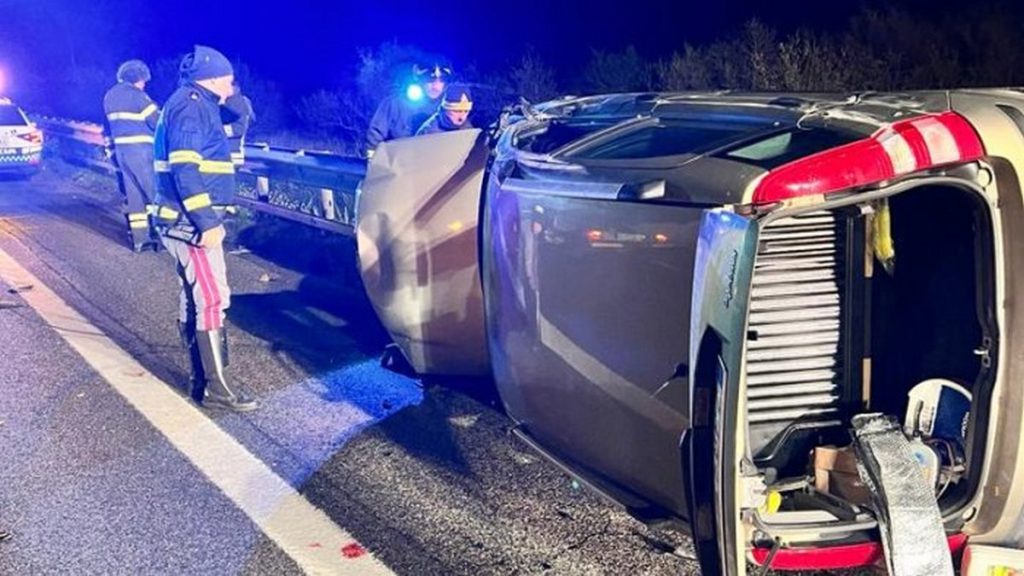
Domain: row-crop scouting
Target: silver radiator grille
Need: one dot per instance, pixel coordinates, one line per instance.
(793, 364)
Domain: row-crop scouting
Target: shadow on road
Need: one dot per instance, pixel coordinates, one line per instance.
(320, 326)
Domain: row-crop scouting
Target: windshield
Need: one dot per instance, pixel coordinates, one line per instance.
(11, 116)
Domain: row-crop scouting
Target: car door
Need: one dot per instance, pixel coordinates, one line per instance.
(725, 254)
(417, 214)
(996, 517)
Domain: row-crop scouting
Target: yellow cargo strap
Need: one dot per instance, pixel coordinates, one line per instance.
(881, 224)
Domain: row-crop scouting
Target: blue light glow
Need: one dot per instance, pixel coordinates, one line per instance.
(414, 92)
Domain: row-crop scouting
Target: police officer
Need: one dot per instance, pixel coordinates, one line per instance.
(132, 116)
(399, 115)
(196, 185)
(453, 114)
(237, 115)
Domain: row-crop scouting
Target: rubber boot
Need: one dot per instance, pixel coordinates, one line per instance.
(220, 391)
(196, 376)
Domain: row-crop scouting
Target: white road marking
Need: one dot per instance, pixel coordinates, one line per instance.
(303, 531)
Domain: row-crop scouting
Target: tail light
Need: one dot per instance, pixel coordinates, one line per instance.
(907, 146)
(34, 137)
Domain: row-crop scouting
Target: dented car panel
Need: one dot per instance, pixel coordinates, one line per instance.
(417, 237)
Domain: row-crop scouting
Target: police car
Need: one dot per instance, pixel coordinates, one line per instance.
(21, 143)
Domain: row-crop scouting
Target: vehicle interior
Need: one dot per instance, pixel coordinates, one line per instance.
(851, 310)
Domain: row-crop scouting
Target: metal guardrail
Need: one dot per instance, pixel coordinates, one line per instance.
(86, 143)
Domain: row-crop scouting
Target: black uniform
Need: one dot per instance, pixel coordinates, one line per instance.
(132, 117)
(195, 192)
(397, 117)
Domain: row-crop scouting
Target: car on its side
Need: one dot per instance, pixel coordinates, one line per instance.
(683, 299)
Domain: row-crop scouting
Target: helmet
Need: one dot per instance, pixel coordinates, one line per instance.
(437, 71)
(457, 98)
(133, 71)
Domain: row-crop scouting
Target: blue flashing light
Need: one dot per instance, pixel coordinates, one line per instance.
(414, 92)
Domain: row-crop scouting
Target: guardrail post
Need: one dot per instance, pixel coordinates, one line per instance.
(263, 188)
(327, 203)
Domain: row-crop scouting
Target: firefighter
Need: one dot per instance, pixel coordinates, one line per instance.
(237, 115)
(400, 115)
(132, 117)
(453, 114)
(195, 189)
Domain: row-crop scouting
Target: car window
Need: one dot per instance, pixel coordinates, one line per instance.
(670, 137)
(11, 116)
(779, 149)
(559, 134)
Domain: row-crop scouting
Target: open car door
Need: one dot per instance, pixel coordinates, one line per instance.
(417, 213)
(996, 517)
(723, 265)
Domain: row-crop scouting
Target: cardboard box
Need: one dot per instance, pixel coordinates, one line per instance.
(835, 473)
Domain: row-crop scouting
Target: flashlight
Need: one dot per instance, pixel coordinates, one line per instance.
(414, 92)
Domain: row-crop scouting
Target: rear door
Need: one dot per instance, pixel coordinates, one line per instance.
(997, 515)
(726, 250)
(417, 213)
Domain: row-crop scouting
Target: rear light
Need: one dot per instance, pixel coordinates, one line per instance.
(594, 235)
(901, 148)
(34, 137)
(836, 557)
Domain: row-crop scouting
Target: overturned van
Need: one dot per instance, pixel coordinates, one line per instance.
(786, 322)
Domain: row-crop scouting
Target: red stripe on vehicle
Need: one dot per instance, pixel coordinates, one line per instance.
(836, 557)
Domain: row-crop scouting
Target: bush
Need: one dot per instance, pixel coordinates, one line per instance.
(532, 78)
(624, 71)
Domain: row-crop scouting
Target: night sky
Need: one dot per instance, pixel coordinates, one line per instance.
(304, 45)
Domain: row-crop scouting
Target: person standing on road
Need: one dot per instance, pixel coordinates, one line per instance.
(453, 114)
(399, 115)
(237, 115)
(195, 188)
(132, 117)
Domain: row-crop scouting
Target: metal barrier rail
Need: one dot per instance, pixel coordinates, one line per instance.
(86, 143)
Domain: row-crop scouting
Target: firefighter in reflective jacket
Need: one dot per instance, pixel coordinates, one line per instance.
(453, 114)
(132, 116)
(399, 115)
(195, 192)
(237, 116)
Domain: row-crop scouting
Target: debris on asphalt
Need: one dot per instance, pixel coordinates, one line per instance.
(20, 288)
(240, 251)
(466, 421)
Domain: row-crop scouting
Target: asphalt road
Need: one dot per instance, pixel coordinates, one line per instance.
(428, 480)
